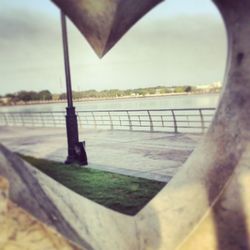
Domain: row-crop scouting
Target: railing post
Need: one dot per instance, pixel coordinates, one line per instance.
(14, 119)
(11, 119)
(175, 122)
(150, 121)
(53, 118)
(111, 122)
(120, 121)
(5, 119)
(32, 119)
(93, 115)
(86, 119)
(2, 119)
(22, 120)
(80, 119)
(162, 121)
(139, 118)
(129, 121)
(42, 120)
(202, 121)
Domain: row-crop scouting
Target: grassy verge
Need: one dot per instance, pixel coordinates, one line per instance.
(122, 193)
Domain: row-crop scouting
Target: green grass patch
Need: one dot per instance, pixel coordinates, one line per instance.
(122, 193)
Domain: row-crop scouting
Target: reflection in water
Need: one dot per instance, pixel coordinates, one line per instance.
(164, 102)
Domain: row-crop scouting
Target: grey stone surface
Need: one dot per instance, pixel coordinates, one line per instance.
(104, 22)
(149, 155)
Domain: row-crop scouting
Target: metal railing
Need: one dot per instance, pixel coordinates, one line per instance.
(154, 120)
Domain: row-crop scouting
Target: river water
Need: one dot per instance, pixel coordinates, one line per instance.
(163, 102)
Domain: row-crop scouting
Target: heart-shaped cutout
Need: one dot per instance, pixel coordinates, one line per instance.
(104, 22)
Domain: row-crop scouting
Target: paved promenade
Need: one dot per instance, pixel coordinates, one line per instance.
(155, 156)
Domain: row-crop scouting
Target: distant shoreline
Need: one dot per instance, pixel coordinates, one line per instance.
(108, 98)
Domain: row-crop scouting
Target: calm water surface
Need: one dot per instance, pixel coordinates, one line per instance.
(164, 102)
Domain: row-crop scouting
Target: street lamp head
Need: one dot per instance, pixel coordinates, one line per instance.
(104, 22)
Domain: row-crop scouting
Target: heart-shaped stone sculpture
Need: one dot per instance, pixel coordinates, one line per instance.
(205, 205)
(104, 22)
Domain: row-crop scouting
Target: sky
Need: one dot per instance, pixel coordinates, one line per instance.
(179, 42)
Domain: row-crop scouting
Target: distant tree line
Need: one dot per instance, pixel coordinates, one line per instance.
(28, 96)
(45, 95)
(112, 93)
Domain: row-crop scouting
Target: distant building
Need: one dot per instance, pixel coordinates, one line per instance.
(5, 100)
(216, 85)
(209, 87)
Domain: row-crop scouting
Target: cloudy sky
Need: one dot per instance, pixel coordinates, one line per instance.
(178, 42)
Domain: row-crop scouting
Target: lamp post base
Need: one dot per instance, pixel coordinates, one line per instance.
(79, 156)
(76, 149)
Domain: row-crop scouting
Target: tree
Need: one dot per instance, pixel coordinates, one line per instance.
(11, 96)
(45, 95)
(188, 89)
(151, 91)
(127, 92)
(63, 96)
(141, 91)
(23, 96)
(179, 89)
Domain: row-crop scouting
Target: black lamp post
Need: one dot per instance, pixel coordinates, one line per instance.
(76, 149)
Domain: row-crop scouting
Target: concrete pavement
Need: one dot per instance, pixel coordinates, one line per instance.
(154, 156)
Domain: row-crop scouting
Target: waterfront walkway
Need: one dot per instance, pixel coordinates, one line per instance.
(154, 156)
